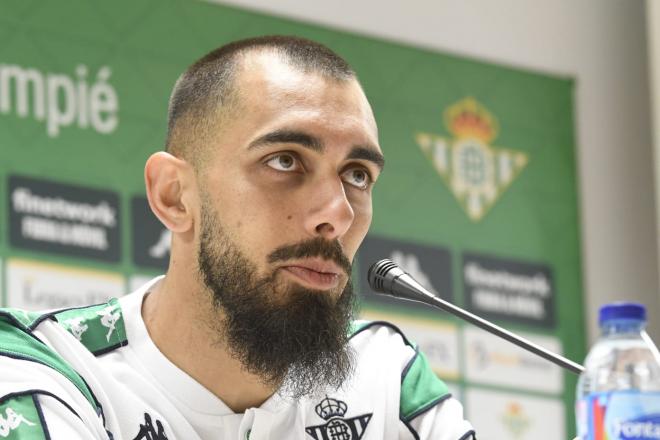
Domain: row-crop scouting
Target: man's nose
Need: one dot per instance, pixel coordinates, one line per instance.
(331, 214)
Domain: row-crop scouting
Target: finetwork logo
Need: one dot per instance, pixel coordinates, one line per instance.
(507, 292)
(60, 100)
(66, 219)
(476, 172)
(79, 220)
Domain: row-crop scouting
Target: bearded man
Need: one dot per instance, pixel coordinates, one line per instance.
(266, 185)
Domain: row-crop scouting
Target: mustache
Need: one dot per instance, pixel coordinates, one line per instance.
(315, 247)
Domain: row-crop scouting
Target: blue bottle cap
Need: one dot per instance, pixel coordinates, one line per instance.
(622, 310)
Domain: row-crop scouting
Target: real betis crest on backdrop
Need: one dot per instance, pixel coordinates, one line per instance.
(475, 171)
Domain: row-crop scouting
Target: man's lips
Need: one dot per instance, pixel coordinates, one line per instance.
(317, 274)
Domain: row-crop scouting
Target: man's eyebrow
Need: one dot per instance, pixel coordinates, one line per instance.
(367, 153)
(288, 137)
(313, 143)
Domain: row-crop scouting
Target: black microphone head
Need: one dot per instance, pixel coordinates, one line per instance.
(385, 276)
(381, 274)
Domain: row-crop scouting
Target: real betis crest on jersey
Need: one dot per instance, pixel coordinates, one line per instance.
(476, 172)
(337, 427)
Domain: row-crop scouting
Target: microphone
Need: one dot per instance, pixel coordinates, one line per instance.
(388, 278)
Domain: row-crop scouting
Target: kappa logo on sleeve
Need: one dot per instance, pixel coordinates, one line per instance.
(12, 421)
(100, 328)
(109, 317)
(19, 418)
(337, 427)
(77, 327)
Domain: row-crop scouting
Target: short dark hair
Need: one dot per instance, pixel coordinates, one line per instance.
(204, 94)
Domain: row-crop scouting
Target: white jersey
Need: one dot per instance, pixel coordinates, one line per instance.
(94, 373)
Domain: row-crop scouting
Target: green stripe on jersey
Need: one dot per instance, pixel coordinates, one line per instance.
(420, 388)
(99, 328)
(19, 420)
(25, 318)
(17, 343)
(356, 326)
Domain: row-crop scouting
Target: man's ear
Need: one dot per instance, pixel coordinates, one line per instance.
(167, 178)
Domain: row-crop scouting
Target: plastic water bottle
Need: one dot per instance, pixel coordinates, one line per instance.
(618, 394)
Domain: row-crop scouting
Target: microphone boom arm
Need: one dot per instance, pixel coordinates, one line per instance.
(387, 278)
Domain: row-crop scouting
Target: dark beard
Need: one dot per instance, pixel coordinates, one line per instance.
(291, 337)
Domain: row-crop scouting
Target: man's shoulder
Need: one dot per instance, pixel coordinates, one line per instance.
(31, 365)
(380, 343)
(420, 388)
(29, 337)
(370, 332)
(36, 380)
(99, 328)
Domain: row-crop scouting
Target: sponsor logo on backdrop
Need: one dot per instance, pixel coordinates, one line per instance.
(430, 265)
(515, 291)
(81, 98)
(515, 419)
(151, 240)
(64, 219)
(437, 340)
(476, 172)
(494, 361)
(41, 286)
(502, 415)
(410, 263)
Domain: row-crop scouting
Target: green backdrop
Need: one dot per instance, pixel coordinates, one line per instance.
(427, 105)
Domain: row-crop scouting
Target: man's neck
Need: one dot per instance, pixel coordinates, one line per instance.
(174, 315)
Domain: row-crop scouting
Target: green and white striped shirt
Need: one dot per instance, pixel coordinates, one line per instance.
(94, 373)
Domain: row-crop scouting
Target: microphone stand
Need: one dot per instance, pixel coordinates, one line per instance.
(505, 334)
(404, 286)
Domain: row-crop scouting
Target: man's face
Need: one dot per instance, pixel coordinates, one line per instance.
(296, 162)
(285, 203)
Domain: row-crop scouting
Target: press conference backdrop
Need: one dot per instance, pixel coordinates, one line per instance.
(478, 200)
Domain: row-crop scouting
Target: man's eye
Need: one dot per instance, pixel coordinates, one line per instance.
(357, 177)
(283, 162)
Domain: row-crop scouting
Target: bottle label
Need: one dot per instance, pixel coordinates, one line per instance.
(620, 415)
